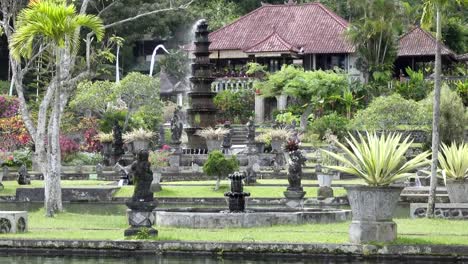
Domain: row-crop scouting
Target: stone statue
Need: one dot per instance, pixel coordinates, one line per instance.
(142, 177)
(176, 127)
(118, 143)
(227, 140)
(23, 176)
(295, 163)
(162, 135)
(251, 131)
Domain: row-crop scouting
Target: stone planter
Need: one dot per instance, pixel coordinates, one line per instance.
(457, 191)
(260, 147)
(373, 209)
(324, 179)
(213, 144)
(276, 145)
(156, 183)
(140, 144)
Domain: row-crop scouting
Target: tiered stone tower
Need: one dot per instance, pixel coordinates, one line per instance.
(202, 111)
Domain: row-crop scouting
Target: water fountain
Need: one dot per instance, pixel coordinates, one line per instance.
(237, 194)
(201, 113)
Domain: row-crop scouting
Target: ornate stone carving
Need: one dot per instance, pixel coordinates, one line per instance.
(23, 176)
(176, 127)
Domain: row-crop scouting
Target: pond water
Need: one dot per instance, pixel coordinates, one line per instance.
(183, 259)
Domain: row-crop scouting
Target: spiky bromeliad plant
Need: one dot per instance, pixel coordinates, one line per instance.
(379, 161)
(453, 161)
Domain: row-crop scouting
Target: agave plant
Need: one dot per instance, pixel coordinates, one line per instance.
(138, 134)
(211, 133)
(105, 137)
(279, 134)
(380, 161)
(453, 161)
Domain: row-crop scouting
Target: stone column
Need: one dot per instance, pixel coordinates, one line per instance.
(282, 101)
(180, 99)
(259, 108)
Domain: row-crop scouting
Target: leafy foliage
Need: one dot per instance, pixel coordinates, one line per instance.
(453, 161)
(379, 161)
(416, 88)
(332, 122)
(235, 106)
(389, 112)
(452, 115)
(218, 165)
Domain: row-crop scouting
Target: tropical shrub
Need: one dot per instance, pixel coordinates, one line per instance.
(277, 134)
(333, 122)
(462, 89)
(379, 161)
(219, 166)
(453, 161)
(16, 158)
(68, 146)
(287, 118)
(13, 133)
(9, 106)
(160, 158)
(105, 137)
(389, 112)
(83, 158)
(235, 105)
(416, 88)
(452, 115)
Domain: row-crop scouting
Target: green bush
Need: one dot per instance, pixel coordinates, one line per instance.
(83, 158)
(416, 88)
(390, 112)
(334, 122)
(218, 165)
(452, 115)
(235, 106)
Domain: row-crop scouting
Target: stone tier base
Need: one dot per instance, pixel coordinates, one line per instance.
(249, 219)
(446, 211)
(369, 231)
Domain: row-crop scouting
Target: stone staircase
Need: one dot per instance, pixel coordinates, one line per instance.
(239, 135)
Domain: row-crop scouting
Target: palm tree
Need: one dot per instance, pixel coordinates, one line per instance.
(428, 14)
(56, 24)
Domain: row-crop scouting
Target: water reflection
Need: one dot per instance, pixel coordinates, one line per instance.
(198, 260)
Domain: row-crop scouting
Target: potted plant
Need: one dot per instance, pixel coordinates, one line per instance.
(453, 161)
(106, 142)
(219, 166)
(380, 162)
(278, 137)
(139, 139)
(261, 141)
(214, 137)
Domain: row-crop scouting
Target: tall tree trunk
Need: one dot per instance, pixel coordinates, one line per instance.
(435, 118)
(305, 116)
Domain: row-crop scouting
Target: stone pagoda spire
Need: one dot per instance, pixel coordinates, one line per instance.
(202, 111)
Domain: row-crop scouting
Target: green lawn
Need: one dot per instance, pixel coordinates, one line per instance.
(111, 227)
(10, 186)
(208, 192)
(266, 181)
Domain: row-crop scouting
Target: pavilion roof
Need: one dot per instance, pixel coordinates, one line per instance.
(311, 27)
(418, 42)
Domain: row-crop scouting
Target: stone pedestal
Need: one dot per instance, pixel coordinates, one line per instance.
(373, 209)
(294, 199)
(13, 221)
(324, 192)
(141, 217)
(259, 108)
(367, 231)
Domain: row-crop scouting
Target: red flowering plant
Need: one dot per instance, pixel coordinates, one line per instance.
(160, 158)
(91, 141)
(6, 159)
(13, 133)
(68, 147)
(9, 106)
